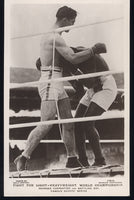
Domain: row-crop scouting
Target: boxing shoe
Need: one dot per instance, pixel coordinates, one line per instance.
(73, 162)
(20, 163)
(99, 162)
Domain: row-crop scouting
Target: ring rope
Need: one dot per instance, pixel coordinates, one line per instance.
(66, 28)
(69, 120)
(67, 78)
(61, 141)
(66, 87)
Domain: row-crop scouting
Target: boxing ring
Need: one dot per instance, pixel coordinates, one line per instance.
(109, 170)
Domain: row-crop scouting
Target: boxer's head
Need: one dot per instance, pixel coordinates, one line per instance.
(66, 16)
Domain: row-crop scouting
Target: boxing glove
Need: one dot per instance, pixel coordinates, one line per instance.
(99, 48)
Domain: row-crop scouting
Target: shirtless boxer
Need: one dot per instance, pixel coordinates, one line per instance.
(100, 95)
(51, 93)
(94, 103)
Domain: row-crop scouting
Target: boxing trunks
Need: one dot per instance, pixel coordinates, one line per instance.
(105, 97)
(52, 90)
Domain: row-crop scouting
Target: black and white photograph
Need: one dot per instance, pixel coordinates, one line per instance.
(66, 90)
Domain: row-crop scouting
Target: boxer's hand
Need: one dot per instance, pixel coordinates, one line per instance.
(99, 48)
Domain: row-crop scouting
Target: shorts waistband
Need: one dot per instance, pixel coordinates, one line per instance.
(48, 68)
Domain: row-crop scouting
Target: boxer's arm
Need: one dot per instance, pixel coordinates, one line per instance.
(81, 48)
(69, 54)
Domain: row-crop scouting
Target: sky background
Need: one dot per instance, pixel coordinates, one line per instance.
(36, 18)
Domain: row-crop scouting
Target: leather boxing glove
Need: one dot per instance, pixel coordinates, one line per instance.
(99, 48)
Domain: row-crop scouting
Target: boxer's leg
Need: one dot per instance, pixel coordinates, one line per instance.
(48, 111)
(92, 133)
(68, 133)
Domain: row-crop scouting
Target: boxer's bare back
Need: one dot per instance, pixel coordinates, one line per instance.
(46, 51)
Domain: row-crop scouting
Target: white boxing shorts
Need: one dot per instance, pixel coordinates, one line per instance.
(105, 97)
(52, 90)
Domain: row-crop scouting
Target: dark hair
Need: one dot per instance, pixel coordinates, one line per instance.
(66, 12)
